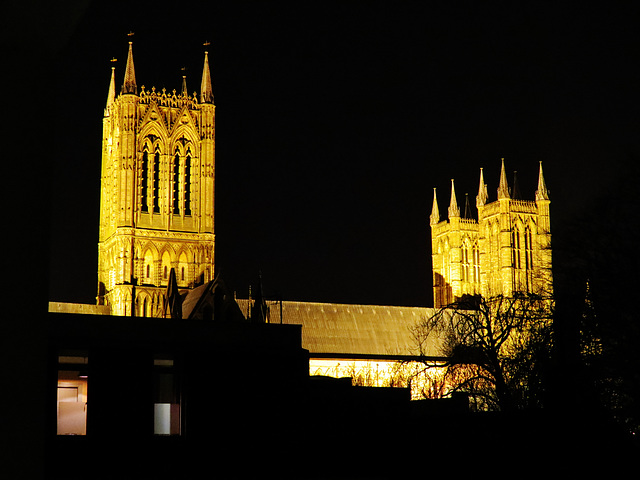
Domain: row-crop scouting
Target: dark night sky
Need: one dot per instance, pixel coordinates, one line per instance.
(335, 120)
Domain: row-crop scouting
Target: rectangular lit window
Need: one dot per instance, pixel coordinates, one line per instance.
(166, 402)
(72, 394)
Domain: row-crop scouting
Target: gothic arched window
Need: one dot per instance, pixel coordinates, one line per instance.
(156, 182)
(515, 244)
(144, 181)
(446, 265)
(476, 262)
(466, 257)
(187, 185)
(528, 249)
(176, 184)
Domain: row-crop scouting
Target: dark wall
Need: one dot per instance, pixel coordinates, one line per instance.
(238, 383)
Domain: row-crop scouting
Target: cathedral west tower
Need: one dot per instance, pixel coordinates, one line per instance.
(157, 193)
(505, 251)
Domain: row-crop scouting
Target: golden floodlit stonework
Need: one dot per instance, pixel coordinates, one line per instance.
(506, 250)
(157, 193)
(157, 216)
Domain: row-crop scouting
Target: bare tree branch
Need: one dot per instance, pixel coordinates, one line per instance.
(493, 347)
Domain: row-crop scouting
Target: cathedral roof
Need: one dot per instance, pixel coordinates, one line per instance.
(213, 296)
(372, 331)
(194, 297)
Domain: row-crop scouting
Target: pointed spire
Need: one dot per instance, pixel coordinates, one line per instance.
(111, 96)
(454, 211)
(173, 300)
(184, 86)
(541, 193)
(503, 188)
(206, 92)
(262, 309)
(483, 195)
(515, 191)
(129, 85)
(467, 207)
(435, 212)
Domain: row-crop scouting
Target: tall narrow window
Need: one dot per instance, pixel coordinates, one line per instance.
(446, 264)
(476, 263)
(515, 244)
(497, 262)
(528, 257)
(465, 261)
(187, 185)
(528, 250)
(144, 182)
(156, 182)
(176, 185)
(166, 402)
(446, 268)
(72, 394)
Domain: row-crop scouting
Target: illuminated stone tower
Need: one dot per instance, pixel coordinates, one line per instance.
(157, 193)
(506, 250)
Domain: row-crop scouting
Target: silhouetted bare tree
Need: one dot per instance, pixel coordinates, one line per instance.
(498, 348)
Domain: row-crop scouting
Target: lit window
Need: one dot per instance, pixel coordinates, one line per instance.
(476, 263)
(466, 263)
(166, 401)
(72, 394)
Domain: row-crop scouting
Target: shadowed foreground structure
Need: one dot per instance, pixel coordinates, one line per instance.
(246, 406)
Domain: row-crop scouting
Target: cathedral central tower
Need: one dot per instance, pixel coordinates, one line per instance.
(157, 193)
(506, 251)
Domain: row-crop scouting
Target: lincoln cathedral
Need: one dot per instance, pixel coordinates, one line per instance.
(157, 241)
(157, 210)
